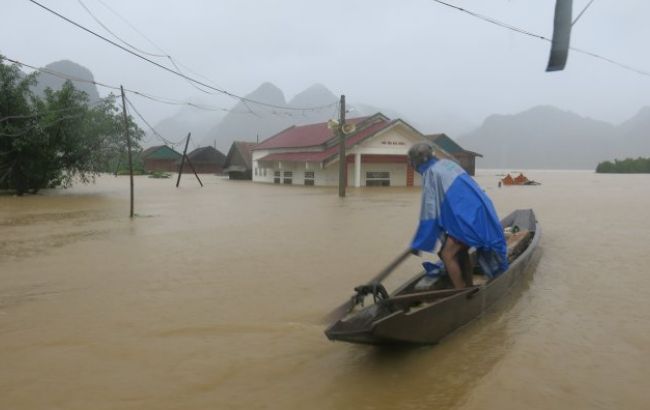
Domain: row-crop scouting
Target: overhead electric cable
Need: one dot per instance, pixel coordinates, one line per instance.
(219, 90)
(175, 62)
(163, 100)
(541, 37)
(156, 133)
(581, 13)
(164, 55)
(38, 114)
(38, 125)
(98, 21)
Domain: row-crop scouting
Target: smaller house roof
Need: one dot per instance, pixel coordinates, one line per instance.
(245, 151)
(207, 155)
(445, 142)
(160, 152)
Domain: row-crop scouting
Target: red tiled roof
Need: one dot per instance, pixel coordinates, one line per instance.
(297, 156)
(302, 136)
(310, 156)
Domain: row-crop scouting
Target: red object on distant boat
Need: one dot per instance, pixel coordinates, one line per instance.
(521, 179)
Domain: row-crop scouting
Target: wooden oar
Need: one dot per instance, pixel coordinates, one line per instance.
(338, 313)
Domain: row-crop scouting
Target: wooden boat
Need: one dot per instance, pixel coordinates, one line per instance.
(420, 314)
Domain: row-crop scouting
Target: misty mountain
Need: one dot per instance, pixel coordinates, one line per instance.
(188, 119)
(314, 96)
(546, 137)
(70, 69)
(245, 121)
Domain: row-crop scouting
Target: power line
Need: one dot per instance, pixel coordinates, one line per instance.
(38, 125)
(219, 90)
(164, 55)
(581, 13)
(98, 21)
(163, 100)
(156, 133)
(541, 37)
(172, 60)
(38, 114)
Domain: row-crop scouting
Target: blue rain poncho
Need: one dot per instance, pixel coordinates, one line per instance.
(453, 204)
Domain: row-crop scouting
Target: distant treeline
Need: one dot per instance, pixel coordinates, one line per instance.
(626, 166)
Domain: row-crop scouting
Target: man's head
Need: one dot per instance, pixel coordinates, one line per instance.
(419, 154)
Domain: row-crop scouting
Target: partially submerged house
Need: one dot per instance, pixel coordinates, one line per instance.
(376, 154)
(160, 158)
(239, 161)
(465, 158)
(206, 160)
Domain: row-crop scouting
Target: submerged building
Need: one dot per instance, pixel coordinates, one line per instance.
(160, 158)
(206, 160)
(376, 154)
(239, 161)
(465, 158)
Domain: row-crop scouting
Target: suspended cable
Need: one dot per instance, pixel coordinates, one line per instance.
(582, 12)
(156, 133)
(219, 90)
(38, 114)
(164, 55)
(38, 125)
(163, 100)
(120, 39)
(172, 59)
(531, 34)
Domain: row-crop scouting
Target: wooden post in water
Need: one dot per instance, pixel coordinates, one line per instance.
(180, 168)
(194, 170)
(128, 145)
(183, 158)
(342, 162)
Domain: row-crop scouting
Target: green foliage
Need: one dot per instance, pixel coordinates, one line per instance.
(626, 166)
(55, 140)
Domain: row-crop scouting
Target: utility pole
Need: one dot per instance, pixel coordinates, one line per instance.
(128, 145)
(180, 168)
(342, 162)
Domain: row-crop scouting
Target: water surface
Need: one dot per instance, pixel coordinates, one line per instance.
(212, 298)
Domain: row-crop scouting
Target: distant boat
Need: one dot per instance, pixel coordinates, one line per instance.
(520, 179)
(423, 311)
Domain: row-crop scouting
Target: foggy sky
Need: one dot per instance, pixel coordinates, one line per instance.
(412, 56)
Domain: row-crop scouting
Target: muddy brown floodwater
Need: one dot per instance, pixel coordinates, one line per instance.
(211, 299)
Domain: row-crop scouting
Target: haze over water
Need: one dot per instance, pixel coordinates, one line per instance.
(211, 299)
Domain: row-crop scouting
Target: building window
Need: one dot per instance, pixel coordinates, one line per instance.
(276, 177)
(264, 171)
(255, 171)
(288, 177)
(378, 178)
(309, 177)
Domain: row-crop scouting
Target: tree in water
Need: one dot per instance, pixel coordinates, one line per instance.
(55, 140)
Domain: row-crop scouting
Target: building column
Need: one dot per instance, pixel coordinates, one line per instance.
(357, 170)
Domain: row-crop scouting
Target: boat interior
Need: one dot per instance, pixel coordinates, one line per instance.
(426, 288)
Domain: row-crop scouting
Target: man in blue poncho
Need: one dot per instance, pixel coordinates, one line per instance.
(458, 213)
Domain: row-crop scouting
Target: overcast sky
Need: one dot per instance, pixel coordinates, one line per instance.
(416, 57)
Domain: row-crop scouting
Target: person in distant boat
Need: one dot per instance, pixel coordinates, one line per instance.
(458, 213)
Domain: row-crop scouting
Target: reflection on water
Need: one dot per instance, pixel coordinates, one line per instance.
(213, 300)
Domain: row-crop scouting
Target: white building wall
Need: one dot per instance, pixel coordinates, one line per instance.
(397, 173)
(393, 141)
